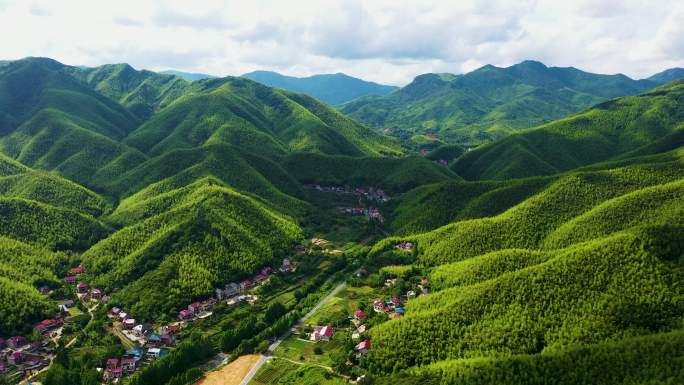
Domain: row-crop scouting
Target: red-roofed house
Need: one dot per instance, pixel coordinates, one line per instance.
(47, 325)
(128, 364)
(194, 307)
(112, 374)
(267, 270)
(70, 279)
(396, 301)
(260, 278)
(322, 333)
(360, 314)
(246, 284)
(82, 287)
(112, 363)
(396, 315)
(77, 270)
(185, 314)
(96, 293)
(363, 347)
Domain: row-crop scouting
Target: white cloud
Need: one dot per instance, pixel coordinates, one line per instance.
(382, 40)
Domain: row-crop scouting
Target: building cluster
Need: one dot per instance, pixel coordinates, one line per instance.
(370, 193)
(134, 358)
(83, 290)
(371, 213)
(20, 358)
(233, 293)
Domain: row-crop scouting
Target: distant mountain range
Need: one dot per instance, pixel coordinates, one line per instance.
(331, 88)
(492, 102)
(189, 76)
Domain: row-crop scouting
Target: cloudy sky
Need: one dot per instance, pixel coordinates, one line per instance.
(388, 41)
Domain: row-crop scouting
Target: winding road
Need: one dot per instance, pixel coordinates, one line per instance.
(262, 360)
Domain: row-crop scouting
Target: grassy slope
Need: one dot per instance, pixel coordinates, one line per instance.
(610, 130)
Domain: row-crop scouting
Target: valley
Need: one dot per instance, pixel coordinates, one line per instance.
(160, 229)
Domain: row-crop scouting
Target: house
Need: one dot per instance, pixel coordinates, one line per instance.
(82, 287)
(135, 353)
(399, 310)
(154, 339)
(424, 281)
(106, 298)
(168, 339)
(17, 342)
(231, 289)
(267, 270)
(77, 270)
(357, 333)
(379, 306)
(44, 289)
(246, 285)
(123, 316)
(396, 301)
(396, 315)
(194, 307)
(286, 266)
(185, 314)
(363, 347)
(410, 294)
(139, 329)
(15, 358)
(113, 374)
(261, 278)
(322, 333)
(47, 325)
(207, 304)
(112, 363)
(157, 352)
(71, 280)
(128, 364)
(360, 314)
(115, 311)
(96, 293)
(129, 323)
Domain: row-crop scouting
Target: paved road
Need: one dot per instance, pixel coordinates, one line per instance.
(277, 342)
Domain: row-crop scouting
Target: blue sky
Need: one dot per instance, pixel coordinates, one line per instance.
(384, 41)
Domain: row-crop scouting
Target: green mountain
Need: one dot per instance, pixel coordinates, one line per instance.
(553, 255)
(668, 75)
(491, 102)
(333, 89)
(610, 130)
(553, 274)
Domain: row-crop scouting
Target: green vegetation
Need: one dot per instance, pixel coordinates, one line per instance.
(491, 102)
(392, 175)
(608, 131)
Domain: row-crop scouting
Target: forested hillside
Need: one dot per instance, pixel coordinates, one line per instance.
(557, 249)
(608, 131)
(491, 102)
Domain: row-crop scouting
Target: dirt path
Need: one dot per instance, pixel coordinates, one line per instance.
(231, 374)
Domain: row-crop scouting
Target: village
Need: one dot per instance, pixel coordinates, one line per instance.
(335, 337)
(23, 357)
